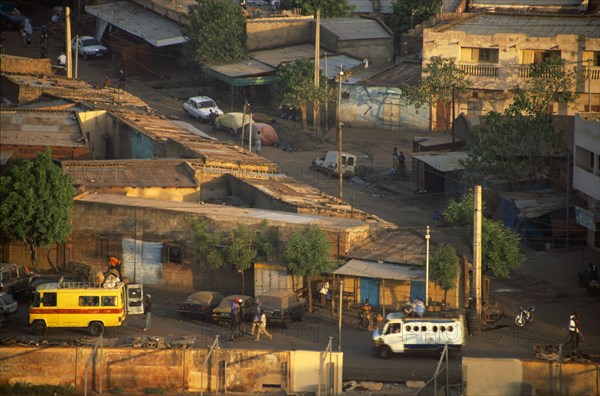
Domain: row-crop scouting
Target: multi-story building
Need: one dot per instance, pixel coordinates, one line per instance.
(497, 52)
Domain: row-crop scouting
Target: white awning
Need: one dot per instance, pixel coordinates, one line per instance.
(140, 22)
(373, 269)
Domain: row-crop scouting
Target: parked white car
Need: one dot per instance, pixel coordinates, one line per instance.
(328, 163)
(88, 47)
(200, 106)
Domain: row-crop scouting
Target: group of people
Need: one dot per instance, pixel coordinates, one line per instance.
(259, 324)
(398, 163)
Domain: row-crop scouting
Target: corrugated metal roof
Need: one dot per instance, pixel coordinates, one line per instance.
(356, 28)
(161, 128)
(533, 26)
(140, 22)
(398, 246)
(445, 162)
(80, 91)
(276, 56)
(245, 67)
(41, 128)
(372, 269)
(532, 204)
(131, 173)
(402, 72)
(334, 62)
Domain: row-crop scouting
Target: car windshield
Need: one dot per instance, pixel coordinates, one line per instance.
(268, 302)
(200, 298)
(207, 104)
(88, 42)
(7, 299)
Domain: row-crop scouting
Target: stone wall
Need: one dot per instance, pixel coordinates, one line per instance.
(17, 64)
(266, 33)
(173, 370)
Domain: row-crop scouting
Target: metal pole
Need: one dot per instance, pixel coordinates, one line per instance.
(326, 101)
(76, 56)
(340, 169)
(243, 124)
(69, 53)
(250, 134)
(317, 71)
(477, 248)
(567, 213)
(101, 365)
(427, 267)
(340, 318)
(589, 78)
(453, 116)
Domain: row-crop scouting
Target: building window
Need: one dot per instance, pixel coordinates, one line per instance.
(584, 159)
(593, 56)
(479, 55)
(537, 56)
(175, 254)
(474, 107)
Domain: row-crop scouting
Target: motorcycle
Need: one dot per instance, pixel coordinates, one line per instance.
(364, 320)
(524, 316)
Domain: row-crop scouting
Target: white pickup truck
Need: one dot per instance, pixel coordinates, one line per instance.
(328, 163)
(400, 333)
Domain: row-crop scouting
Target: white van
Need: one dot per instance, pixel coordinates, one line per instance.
(328, 163)
(401, 334)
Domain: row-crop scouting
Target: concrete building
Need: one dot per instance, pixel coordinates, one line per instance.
(497, 51)
(530, 6)
(586, 177)
(25, 133)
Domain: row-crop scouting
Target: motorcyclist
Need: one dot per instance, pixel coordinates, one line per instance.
(367, 312)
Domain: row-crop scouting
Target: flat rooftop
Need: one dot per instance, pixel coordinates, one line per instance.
(530, 25)
(41, 128)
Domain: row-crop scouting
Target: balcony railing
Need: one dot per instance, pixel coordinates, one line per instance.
(480, 70)
(593, 73)
(525, 71)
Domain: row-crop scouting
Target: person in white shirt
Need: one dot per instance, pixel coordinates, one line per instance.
(262, 329)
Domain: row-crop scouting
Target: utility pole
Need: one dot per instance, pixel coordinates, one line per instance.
(427, 236)
(250, 133)
(589, 81)
(339, 117)
(68, 51)
(453, 116)
(340, 318)
(317, 70)
(477, 248)
(244, 123)
(326, 100)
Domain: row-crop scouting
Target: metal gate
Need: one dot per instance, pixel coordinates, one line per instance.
(369, 288)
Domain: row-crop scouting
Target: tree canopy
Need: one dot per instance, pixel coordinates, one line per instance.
(36, 203)
(443, 78)
(499, 244)
(444, 267)
(329, 8)
(216, 32)
(522, 144)
(308, 254)
(408, 13)
(295, 87)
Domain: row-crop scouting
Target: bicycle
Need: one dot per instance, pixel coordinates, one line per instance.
(364, 320)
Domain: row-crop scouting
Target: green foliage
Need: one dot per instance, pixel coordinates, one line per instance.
(443, 79)
(408, 13)
(523, 143)
(329, 8)
(154, 391)
(36, 203)
(25, 389)
(444, 267)
(295, 87)
(499, 244)
(241, 251)
(207, 250)
(216, 32)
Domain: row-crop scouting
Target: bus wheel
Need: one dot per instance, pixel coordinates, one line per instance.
(38, 327)
(95, 329)
(384, 352)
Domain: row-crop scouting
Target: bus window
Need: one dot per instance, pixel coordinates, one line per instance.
(89, 301)
(110, 301)
(49, 299)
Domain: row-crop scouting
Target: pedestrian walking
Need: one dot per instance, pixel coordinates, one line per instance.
(28, 30)
(574, 336)
(235, 315)
(395, 156)
(257, 143)
(122, 78)
(43, 44)
(324, 291)
(106, 81)
(148, 311)
(212, 120)
(401, 162)
(256, 319)
(23, 37)
(262, 329)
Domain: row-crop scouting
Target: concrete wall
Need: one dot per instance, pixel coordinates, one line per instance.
(486, 376)
(173, 370)
(265, 33)
(16, 64)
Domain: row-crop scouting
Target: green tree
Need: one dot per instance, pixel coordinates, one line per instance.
(523, 144)
(444, 267)
(329, 8)
(406, 14)
(499, 244)
(443, 79)
(308, 254)
(36, 204)
(240, 247)
(294, 84)
(216, 32)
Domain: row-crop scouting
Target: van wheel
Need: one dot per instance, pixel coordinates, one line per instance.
(95, 329)
(384, 352)
(39, 327)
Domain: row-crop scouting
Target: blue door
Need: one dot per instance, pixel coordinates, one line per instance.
(417, 290)
(369, 288)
